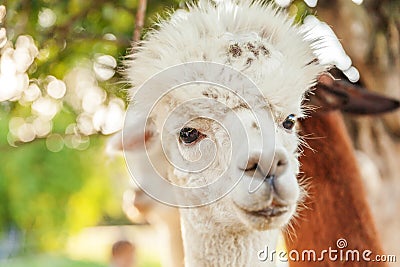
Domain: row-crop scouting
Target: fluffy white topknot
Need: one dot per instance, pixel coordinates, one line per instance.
(251, 36)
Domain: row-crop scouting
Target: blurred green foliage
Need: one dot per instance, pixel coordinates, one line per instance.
(46, 195)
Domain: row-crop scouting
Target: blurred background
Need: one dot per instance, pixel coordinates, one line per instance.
(61, 196)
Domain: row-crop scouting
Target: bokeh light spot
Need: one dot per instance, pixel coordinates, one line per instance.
(54, 142)
(47, 18)
(104, 67)
(56, 89)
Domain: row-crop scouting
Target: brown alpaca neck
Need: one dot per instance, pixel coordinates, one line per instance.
(337, 206)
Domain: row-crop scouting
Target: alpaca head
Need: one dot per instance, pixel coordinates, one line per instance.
(229, 142)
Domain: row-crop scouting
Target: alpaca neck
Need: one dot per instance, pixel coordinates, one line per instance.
(337, 205)
(208, 244)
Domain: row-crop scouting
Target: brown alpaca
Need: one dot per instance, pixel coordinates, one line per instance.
(337, 205)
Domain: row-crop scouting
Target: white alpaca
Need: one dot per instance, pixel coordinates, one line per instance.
(260, 42)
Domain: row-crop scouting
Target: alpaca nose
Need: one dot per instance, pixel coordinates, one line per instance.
(259, 162)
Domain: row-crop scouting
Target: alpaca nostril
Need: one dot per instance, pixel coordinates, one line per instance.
(279, 164)
(265, 165)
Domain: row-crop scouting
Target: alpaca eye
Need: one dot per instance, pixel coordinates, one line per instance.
(189, 135)
(289, 122)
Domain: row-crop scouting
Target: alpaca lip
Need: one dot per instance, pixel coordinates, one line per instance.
(273, 211)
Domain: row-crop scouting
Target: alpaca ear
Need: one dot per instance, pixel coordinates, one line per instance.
(114, 144)
(331, 94)
(131, 138)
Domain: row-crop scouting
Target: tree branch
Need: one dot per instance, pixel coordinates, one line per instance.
(139, 23)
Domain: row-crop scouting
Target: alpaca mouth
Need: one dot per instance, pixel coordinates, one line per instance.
(268, 212)
(273, 211)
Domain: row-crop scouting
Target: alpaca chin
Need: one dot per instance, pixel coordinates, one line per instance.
(267, 219)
